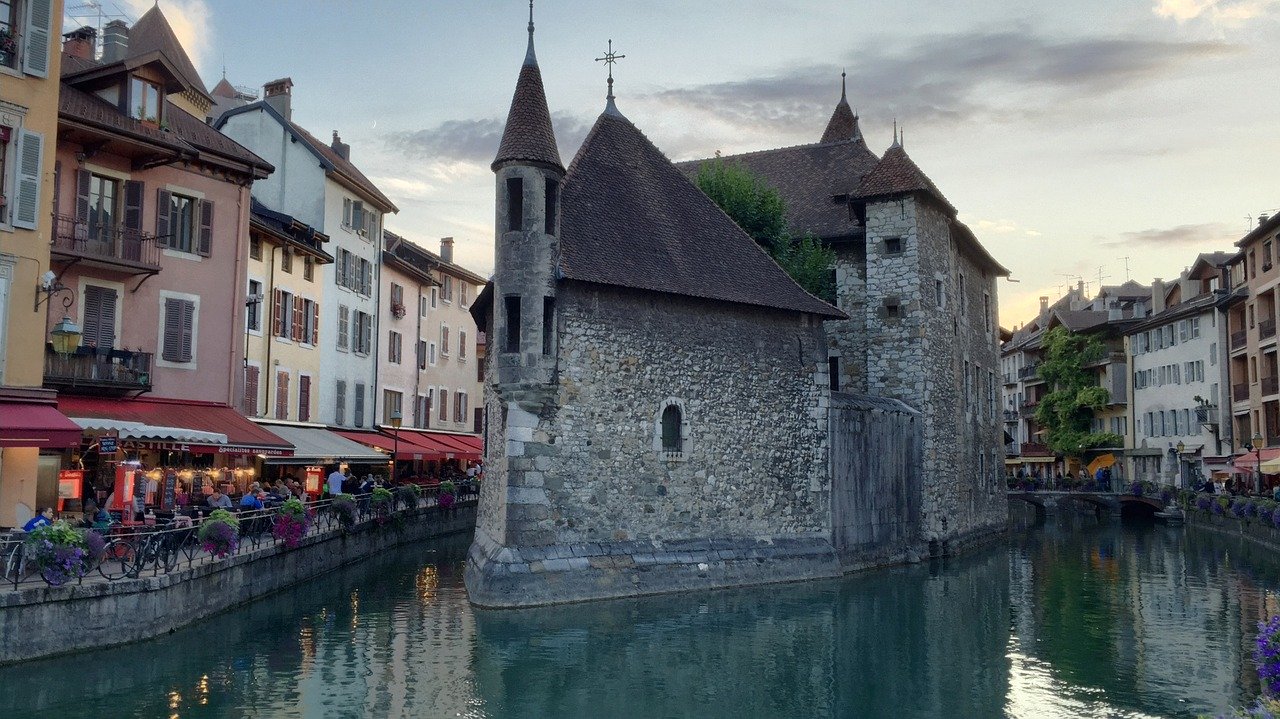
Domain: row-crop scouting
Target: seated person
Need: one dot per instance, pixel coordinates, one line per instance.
(42, 518)
(218, 500)
(96, 517)
(252, 499)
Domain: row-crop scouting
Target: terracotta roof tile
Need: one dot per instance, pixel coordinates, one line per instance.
(200, 135)
(528, 136)
(896, 174)
(78, 105)
(630, 218)
(152, 33)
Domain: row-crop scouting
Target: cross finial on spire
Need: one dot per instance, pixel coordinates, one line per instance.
(530, 18)
(529, 57)
(610, 57)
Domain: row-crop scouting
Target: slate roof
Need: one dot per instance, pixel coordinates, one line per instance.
(630, 218)
(897, 174)
(289, 229)
(1131, 289)
(152, 33)
(409, 251)
(843, 124)
(528, 136)
(1080, 320)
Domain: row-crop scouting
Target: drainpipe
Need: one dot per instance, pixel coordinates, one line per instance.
(377, 327)
(242, 279)
(268, 335)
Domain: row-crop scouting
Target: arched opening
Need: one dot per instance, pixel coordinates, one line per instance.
(671, 421)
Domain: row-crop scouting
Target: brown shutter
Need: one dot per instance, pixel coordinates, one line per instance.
(163, 201)
(133, 198)
(188, 329)
(172, 331)
(298, 327)
(277, 314)
(304, 398)
(206, 228)
(282, 395)
(315, 323)
(82, 195)
(251, 391)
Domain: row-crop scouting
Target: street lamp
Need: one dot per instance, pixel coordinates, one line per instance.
(65, 336)
(396, 421)
(1182, 476)
(1258, 441)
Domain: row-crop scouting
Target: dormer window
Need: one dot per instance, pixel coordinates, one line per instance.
(145, 100)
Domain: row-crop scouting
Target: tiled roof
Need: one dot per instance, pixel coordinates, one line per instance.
(223, 89)
(403, 246)
(809, 178)
(1131, 289)
(896, 174)
(528, 136)
(203, 137)
(152, 33)
(287, 227)
(78, 105)
(72, 64)
(1080, 320)
(843, 124)
(630, 218)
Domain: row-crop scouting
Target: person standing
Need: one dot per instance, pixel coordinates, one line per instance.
(336, 479)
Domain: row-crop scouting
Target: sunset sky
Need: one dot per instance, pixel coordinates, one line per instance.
(1069, 135)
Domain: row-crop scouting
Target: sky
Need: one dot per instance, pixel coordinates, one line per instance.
(1099, 137)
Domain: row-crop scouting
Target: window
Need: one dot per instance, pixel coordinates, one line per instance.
(446, 288)
(515, 204)
(255, 247)
(304, 398)
(99, 317)
(391, 405)
(286, 261)
(444, 405)
(422, 305)
(463, 290)
(892, 310)
(671, 421)
(833, 373)
(9, 27)
(184, 223)
(344, 327)
(512, 339)
(104, 193)
(939, 294)
(462, 345)
(444, 341)
(458, 399)
(179, 324)
(253, 307)
(145, 100)
(553, 197)
(422, 411)
(893, 245)
(282, 315)
(431, 354)
(282, 395)
(397, 298)
(435, 295)
(986, 309)
(340, 408)
(251, 374)
(1266, 255)
(1253, 265)
(308, 268)
(964, 299)
(366, 277)
(548, 323)
(310, 322)
(362, 333)
(422, 354)
(393, 347)
(358, 414)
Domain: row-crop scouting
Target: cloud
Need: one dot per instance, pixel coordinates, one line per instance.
(940, 78)
(192, 23)
(1206, 235)
(476, 141)
(1223, 13)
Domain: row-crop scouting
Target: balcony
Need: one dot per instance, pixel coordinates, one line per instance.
(1240, 392)
(92, 371)
(1270, 385)
(1266, 328)
(112, 246)
(1010, 415)
(1238, 339)
(1029, 409)
(1010, 377)
(1029, 372)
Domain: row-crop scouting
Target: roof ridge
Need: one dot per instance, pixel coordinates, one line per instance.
(804, 145)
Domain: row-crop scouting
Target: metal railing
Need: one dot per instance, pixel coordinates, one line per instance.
(1270, 385)
(131, 552)
(1028, 372)
(89, 367)
(112, 243)
(1239, 392)
(1266, 329)
(1238, 339)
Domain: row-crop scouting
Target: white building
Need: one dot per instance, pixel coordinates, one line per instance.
(1177, 379)
(317, 184)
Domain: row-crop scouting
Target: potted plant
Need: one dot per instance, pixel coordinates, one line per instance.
(344, 505)
(380, 500)
(407, 495)
(60, 552)
(398, 309)
(448, 494)
(291, 523)
(220, 533)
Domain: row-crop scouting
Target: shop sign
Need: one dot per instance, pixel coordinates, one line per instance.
(107, 445)
(270, 452)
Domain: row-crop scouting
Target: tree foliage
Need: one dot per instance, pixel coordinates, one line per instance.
(762, 213)
(1066, 412)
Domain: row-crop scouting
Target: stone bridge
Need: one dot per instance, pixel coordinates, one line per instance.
(1110, 502)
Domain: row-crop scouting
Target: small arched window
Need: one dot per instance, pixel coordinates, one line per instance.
(671, 421)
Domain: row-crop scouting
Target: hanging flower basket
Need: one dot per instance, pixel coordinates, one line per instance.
(291, 523)
(60, 552)
(407, 495)
(344, 505)
(447, 496)
(381, 503)
(220, 533)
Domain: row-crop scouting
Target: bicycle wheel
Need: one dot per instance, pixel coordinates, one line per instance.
(118, 561)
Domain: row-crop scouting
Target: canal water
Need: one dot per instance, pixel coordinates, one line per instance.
(1075, 618)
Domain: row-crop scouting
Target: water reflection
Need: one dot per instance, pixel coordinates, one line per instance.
(1073, 618)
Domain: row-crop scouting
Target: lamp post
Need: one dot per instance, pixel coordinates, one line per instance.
(1182, 476)
(396, 421)
(1258, 441)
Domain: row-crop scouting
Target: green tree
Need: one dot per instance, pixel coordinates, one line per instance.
(1066, 412)
(762, 213)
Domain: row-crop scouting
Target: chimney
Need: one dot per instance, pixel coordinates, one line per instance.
(79, 43)
(1157, 296)
(115, 41)
(446, 249)
(1044, 306)
(340, 147)
(279, 95)
(1262, 218)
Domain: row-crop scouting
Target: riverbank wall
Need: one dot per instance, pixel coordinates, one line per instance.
(43, 621)
(1258, 531)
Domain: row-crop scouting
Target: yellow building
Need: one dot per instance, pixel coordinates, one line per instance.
(282, 318)
(30, 64)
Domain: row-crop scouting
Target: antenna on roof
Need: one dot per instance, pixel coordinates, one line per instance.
(1101, 277)
(1126, 267)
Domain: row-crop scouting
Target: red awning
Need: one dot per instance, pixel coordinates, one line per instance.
(1250, 460)
(434, 445)
(243, 436)
(32, 424)
(377, 440)
(461, 446)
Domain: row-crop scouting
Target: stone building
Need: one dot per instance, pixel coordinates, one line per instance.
(657, 406)
(920, 294)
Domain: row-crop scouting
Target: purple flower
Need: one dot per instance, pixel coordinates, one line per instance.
(1267, 655)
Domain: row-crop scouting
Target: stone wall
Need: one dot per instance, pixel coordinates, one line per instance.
(847, 339)
(45, 621)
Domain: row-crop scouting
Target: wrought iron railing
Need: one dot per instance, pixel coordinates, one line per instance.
(1266, 328)
(1270, 385)
(1028, 372)
(131, 552)
(1240, 392)
(1238, 339)
(94, 368)
(109, 242)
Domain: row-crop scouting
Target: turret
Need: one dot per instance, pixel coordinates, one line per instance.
(529, 176)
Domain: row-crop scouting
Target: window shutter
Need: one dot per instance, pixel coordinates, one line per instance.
(282, 395)
(172, 330)
(163, 201)
(30, 156)
(298, 328)
(277, 313)
(304, 398)
(251, 391)
(100, 315)
(315, 324)
(340, 410)
(368, 278)
(444, 405)
(188, 328)
(82, 196)
(344, 327)
(133, 194)
(368, 333)
(35, 56)
(206, 228)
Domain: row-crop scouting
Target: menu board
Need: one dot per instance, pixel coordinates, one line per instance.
(168, 495)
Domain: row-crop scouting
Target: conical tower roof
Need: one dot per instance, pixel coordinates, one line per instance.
(897, 174)
(528, 136)
(843, 124)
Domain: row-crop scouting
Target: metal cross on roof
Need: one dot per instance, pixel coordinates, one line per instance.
(610, 57)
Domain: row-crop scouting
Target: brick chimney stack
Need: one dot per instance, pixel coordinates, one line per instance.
(446, 249)
(340, 147)
(279, 95)
(79, 43)
(1157, 296)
